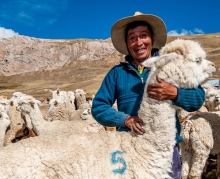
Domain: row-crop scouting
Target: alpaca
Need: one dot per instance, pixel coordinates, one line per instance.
(16, 120)
(28, 106)
(200, 132)
(4, 124)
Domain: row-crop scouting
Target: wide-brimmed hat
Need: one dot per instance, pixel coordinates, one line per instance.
(156, 23)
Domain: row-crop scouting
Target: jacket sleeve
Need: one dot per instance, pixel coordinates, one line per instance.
(190, 99)
(102, 109)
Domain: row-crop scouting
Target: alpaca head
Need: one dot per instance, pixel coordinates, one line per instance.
(27, 104)
(183, 63)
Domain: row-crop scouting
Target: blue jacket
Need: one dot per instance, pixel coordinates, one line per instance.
(124, 84)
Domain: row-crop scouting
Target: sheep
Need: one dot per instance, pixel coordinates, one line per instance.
(4, 124)
(200, 134)
(28, 106)
(124, 155)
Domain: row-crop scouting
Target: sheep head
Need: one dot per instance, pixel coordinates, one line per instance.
(181, 63)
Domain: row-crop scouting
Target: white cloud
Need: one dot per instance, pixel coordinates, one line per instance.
(4, 33)
(199, 31)
(185, 32)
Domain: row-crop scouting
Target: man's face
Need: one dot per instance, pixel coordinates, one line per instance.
(139, 42)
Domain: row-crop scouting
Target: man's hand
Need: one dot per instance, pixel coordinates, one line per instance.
(135, 124)
(161, 90)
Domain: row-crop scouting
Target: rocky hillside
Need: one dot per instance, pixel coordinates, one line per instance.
(21, 54)
(34, 66)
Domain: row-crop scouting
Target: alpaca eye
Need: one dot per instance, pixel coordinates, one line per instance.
(198, 60)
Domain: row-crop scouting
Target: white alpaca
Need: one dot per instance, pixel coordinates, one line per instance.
(16, 120)
(4, 124)
(28, 106)
(185, 67)
(81, 102)
(58, 110)
(114, 155)
(201, 137)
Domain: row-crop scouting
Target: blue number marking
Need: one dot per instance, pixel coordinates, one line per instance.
(116, 160)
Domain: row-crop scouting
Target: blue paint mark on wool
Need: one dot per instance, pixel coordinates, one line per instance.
(116, 160)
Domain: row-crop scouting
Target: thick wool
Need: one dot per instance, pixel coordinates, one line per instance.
(201, 137)
(114, 155)
(16, 120)
(4, 124)
(28, 106)
(184, 67)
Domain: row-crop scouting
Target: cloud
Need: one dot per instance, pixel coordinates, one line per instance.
(185, 32)
(32, 13)
(4, 33)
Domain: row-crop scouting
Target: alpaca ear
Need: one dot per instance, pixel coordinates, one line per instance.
(160, 60)
(58, 91)
(32, 104)
(11, 103)
(150, 62)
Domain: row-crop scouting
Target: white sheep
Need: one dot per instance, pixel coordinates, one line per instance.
(29, 106)
(123, 156)
(200, 134)
(4, 124)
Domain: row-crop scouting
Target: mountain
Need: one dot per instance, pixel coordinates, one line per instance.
(34, 66)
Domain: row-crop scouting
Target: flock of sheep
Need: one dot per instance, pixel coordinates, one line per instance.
(69, 143)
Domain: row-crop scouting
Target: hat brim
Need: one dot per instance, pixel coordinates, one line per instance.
(157, 25)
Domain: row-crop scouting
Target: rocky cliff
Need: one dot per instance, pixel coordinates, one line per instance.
(21, 54)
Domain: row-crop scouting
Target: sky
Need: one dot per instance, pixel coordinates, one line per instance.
(93, 19)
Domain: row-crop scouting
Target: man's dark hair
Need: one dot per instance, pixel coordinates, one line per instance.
(134, 24)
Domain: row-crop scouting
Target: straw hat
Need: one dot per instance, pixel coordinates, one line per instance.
(156, 23)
